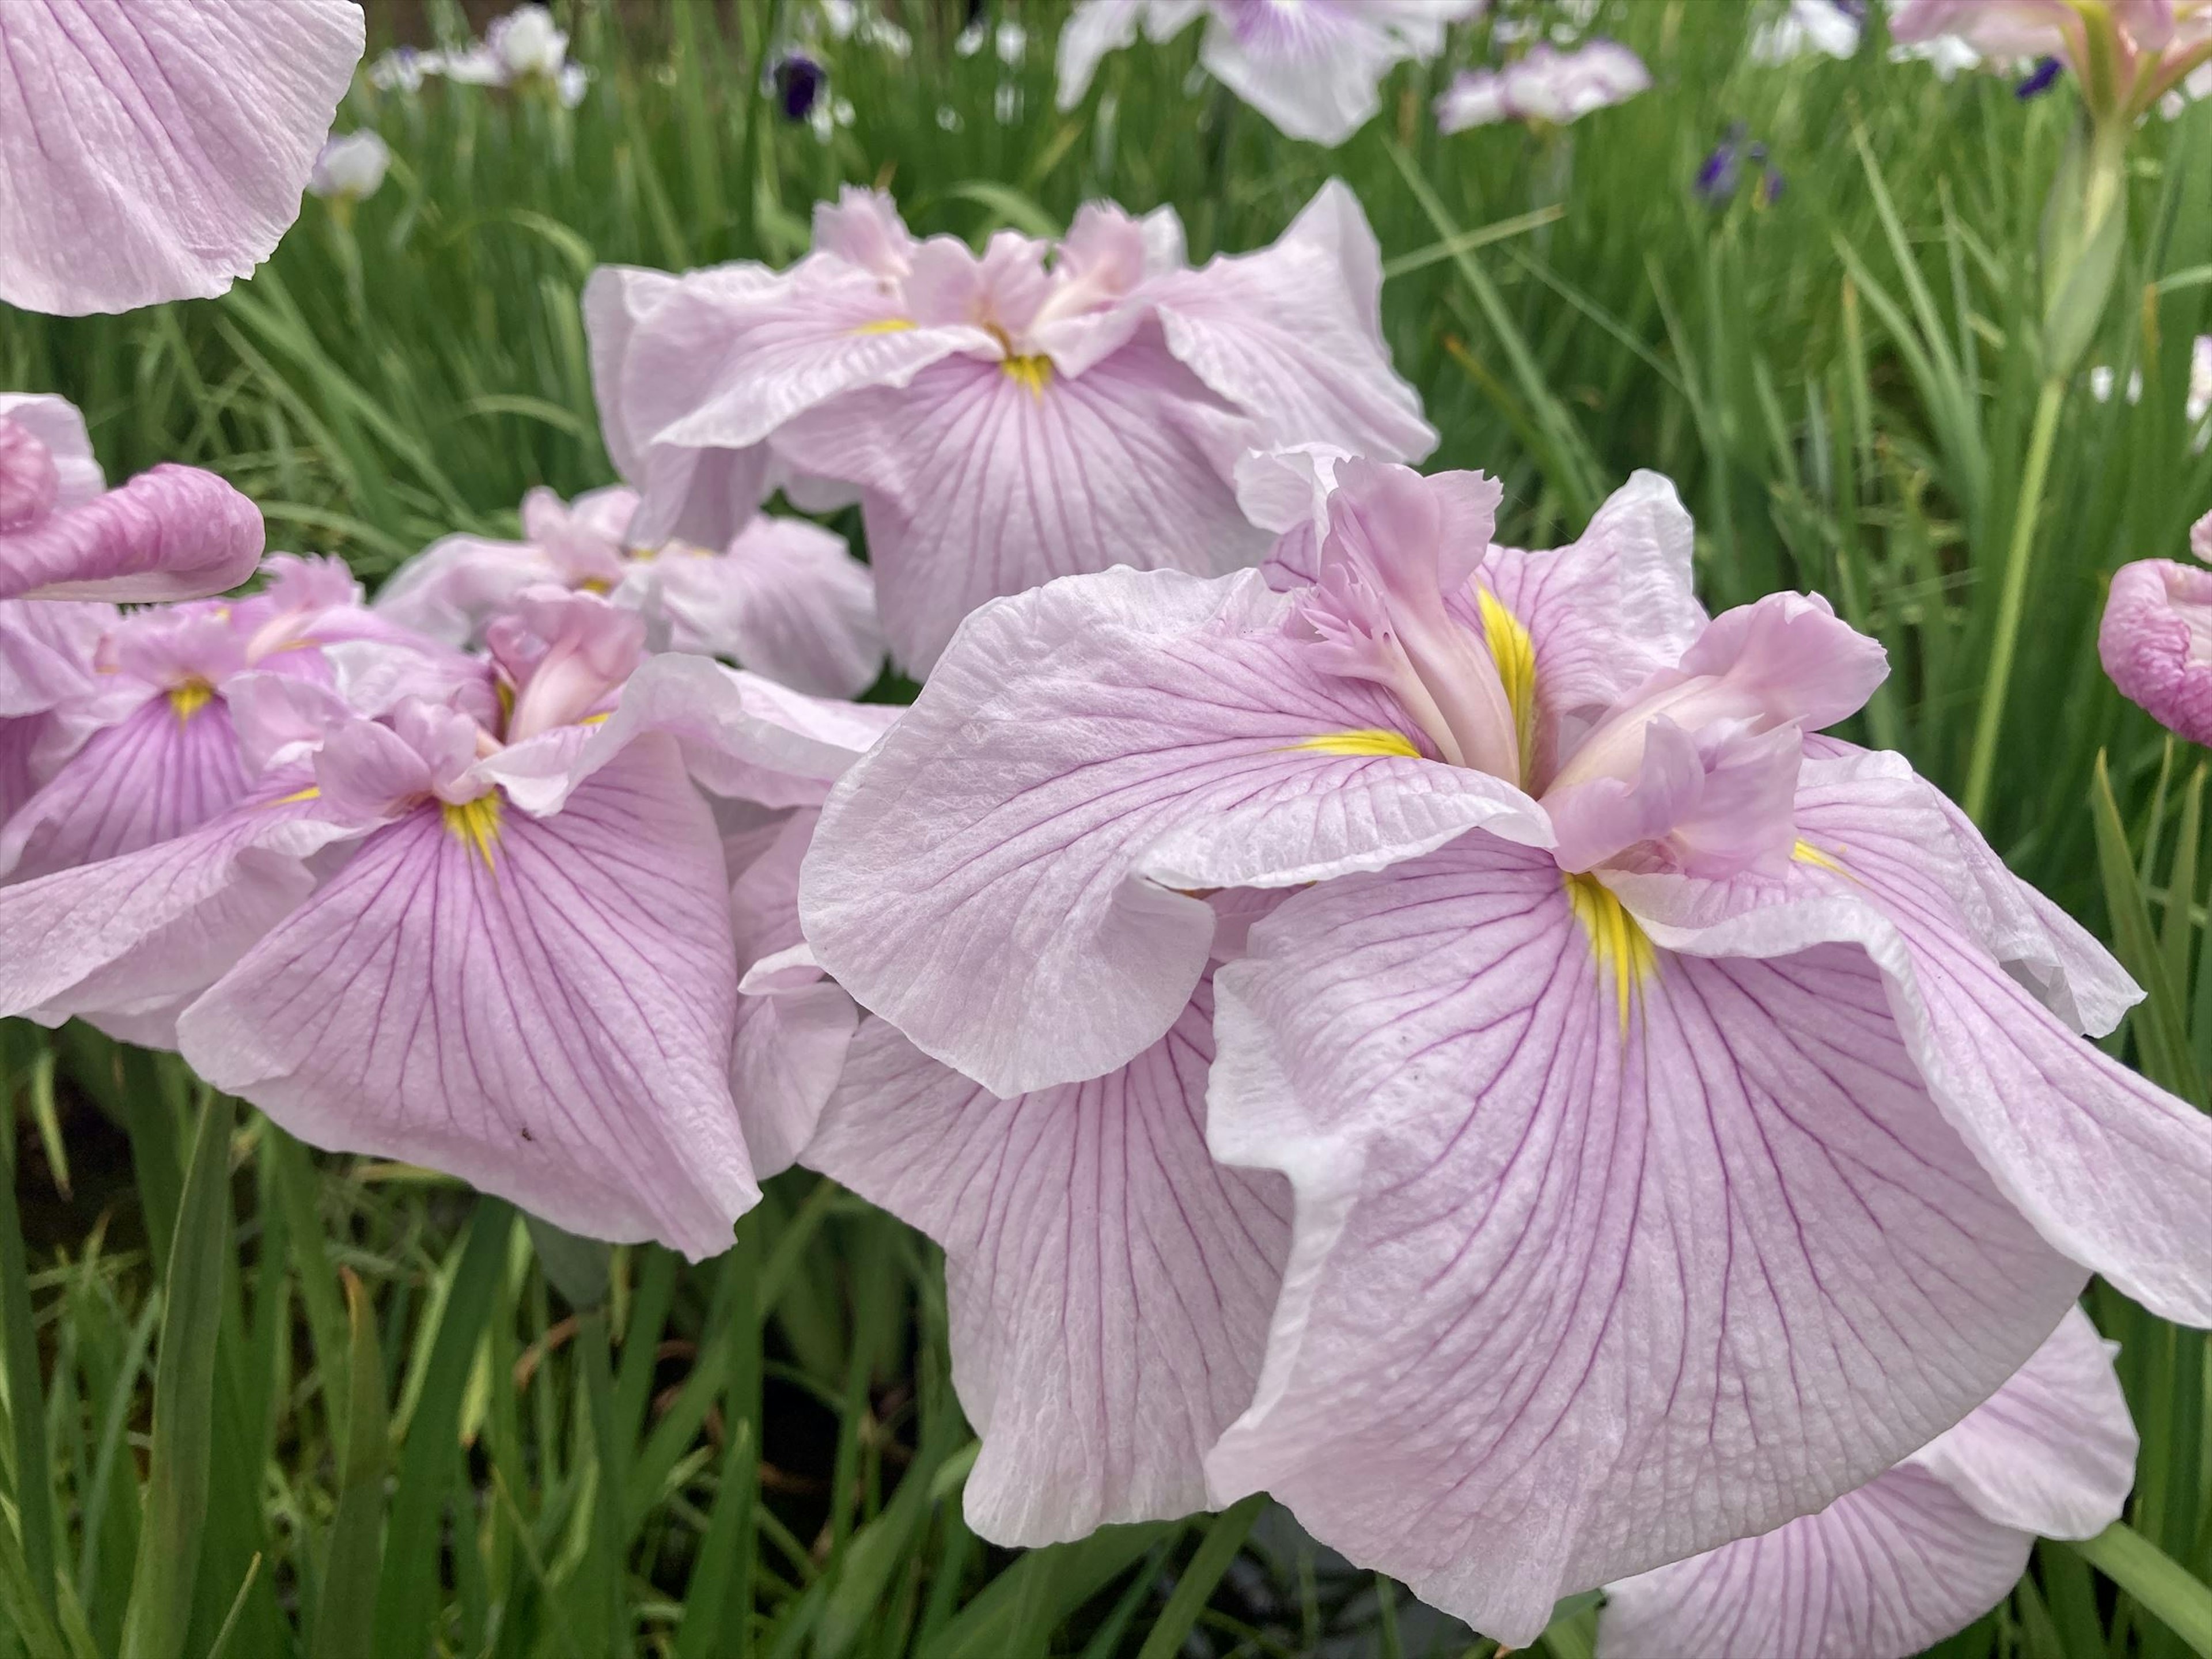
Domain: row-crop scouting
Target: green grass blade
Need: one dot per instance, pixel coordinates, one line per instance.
(346, 1610)
(1224, 1536)
(184, 1400)
(27, 1408)
(2156, 1582)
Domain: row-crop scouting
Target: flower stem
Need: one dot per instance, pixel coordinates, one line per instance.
(1981, 762)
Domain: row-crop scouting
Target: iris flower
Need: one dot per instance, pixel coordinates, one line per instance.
(1686, 1115)
(1546, 85)
(2128, 53)
(1920, 1551)
(155, 149)
(1314, 68)
(1005, 418)
(783, 598)
(172, 532)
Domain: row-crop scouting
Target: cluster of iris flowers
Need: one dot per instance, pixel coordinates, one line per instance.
(1426, 1028)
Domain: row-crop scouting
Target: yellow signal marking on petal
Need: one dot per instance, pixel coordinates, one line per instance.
(1515, 653)
(1622, 949)
(886, 325)
(188, 699)
(1806, 852)
(1369, 740)
(310, 793)
(476, 823)
(1035, 373)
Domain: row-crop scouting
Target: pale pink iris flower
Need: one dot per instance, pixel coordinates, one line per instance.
(1687, 1116)
(1919, 1551)
(2156, 640)
(1314, 68)
(155, 149)
(172, 532)
(2147, 47)
(1005, 418)
(1547, 86)
(784, 598)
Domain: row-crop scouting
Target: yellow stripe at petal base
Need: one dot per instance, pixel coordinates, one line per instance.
(886, 325)
(1623, 952)
(1806, 852)
(476, 823)
(1515, 653)
(1035, 373)
(188, 699)
(1369, 741)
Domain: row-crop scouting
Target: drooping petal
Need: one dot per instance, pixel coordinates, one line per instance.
(157, 148)
(979, 480)
(1093, 29)
(541, 1006)
(1109, 1283)
(787, 600)
(168, 766)
(1920, 1551)
(145, 932)
(1604, 1255)
(1315, 70)
(1008, 876)
(174, 532)
(1292, 335)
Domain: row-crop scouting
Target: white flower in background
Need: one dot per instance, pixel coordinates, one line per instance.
(1313, 67)
(970, 40)
(1808, 26)
(1546, 85)
(2196, 85)
(840, 17)
(889, 37)
(2102, 379)
(402, 69)
(2200, 379)
(1011, 42)
(524, 45)
(526, 42)
(1946, 54)
(350, 167)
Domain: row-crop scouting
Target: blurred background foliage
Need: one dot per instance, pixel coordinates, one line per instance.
(414, 1423)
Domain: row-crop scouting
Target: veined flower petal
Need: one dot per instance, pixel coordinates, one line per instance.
(157, 148)
(1109, 1283)
(1604, 1256)
(174, 532)
(786, 600)
(1007, 877)
(542, 1006)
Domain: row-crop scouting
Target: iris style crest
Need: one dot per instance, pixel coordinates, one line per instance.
(1004, 417)
(1683, 1124)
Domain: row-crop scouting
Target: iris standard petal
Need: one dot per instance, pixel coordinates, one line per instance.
(1109, 1283)
(157, 148)
(787, 600)
(979, 480)
(1604, 1256)
(541, 1006)
(1009, 875)
(172, 532)
(1920, 1551)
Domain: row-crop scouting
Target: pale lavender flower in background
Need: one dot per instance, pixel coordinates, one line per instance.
(525, 47)
(1805, 26)
(784, 598)
(1918, 1553)
(1314, 68)
(1563, 847)
(1546, 85)
(172, 532)
(155, 149)
(1005, 417)
(351, 167)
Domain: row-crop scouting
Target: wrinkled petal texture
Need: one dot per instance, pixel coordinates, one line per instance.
(1601, 1260)
(157, 148)
(548, 1016)
(1109, 1283)
(978, 482)
(2155, 642)
(159, 772)
(1007, 877)
(1292, 335)
(1918, 1553)
(172, 532)
(449, 590)
(2112, 1170)
(787, 600)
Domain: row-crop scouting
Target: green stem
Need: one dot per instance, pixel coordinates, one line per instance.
(2156, 1582)
(1982, 763)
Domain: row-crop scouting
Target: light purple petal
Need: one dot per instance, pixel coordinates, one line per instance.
(169, 767)
(1919, 1551)
(2112, 1170)
(174, 532)
(1109, 1284)
(46, 650)
(449, 590)
(977, 481)
(2155, 642)
(544, 1011)
(786, 600)
(1601, 1260)
(151, 928)
(58, 426)
(157, 148)
(1315, 70)
(1008, 877)
(1292, 335)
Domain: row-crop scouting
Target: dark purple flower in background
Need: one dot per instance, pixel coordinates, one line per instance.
(2039, 80)
(796, 81)
(1722, 174)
